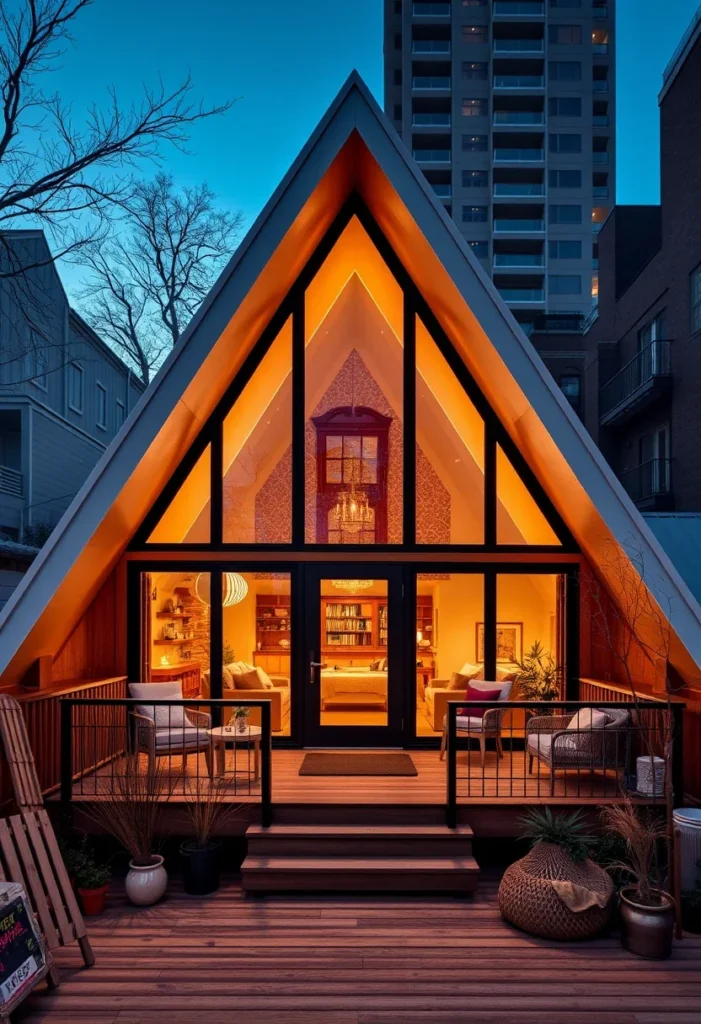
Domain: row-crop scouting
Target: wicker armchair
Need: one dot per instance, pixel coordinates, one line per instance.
(164, 731)
(480, 728)
(550, 740)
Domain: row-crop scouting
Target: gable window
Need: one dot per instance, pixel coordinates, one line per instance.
(696, 300)
(121, 413)
(101, 406)
(75, 387)
(35, 366)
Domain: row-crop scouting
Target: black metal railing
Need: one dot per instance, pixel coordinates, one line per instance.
(649, 479)
(523, 751)
(655, 360)
(115, 748)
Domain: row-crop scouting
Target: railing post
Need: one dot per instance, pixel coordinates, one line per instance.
(66, 706)
(451, 803)
(266, 803)
(678, 753)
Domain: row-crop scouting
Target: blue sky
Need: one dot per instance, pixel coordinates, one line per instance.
(285, 61)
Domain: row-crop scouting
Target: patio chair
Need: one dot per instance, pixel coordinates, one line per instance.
(164, 731)
(484, 728)
(563, 741)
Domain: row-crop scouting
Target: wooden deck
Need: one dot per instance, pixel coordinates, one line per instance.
(505, 781)
(354, 960)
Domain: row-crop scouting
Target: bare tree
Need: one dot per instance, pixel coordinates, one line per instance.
(147, 282)
(54, 173)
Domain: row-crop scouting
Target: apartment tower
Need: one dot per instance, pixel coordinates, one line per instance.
(508, 107)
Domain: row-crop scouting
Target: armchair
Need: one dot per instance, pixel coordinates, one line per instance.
(559, 742)
(163, 731)
(474, 727)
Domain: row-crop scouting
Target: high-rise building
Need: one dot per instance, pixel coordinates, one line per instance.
(508, 106)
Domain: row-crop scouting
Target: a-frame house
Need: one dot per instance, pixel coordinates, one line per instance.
(353, 473)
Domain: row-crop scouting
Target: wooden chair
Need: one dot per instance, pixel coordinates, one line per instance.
(29, 852)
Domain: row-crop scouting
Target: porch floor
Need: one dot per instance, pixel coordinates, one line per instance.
(353, 960)
(504, 780)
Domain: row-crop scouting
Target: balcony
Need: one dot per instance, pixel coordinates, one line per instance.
(522, 295)
(650, 485)
(600, 49)
(599, 157)
(641, 382)
(600, 11)
(431, 156)
(519, 82)
(430, 82)
(519, 260)
(518, 8)
(516, 190)
(518, 117)
(431, 47)
(438, 120)
(518, 46)
(11, 482)
(518, 225)
(518, 156)
(442, 190)
(600, 85)
(600, 191)
(600, 120)
(437, 10)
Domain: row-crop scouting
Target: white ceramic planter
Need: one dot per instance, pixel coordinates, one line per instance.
(146, 885)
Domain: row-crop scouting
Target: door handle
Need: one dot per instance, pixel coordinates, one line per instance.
(312, 666)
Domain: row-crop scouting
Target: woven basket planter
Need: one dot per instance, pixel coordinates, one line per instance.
(529, 899)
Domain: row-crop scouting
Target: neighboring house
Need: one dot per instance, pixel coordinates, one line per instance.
(15, 559)
(63, 393)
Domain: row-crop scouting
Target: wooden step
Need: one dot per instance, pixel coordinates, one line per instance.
(398, 841)
(359, 874)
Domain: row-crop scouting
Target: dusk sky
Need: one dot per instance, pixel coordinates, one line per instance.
(285, 62)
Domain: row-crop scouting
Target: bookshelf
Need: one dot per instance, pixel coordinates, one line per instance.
(272, 622)
(349, 624)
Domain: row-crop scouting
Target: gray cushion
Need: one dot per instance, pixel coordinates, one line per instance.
(163, 717)
(176, 739)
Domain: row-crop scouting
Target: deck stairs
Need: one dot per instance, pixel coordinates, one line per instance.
(359, 858)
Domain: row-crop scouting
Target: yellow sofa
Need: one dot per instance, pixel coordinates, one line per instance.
(278, 695)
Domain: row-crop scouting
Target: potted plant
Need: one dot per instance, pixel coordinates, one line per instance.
(538, 676)
(557, 891)
(133, 815)
(646, 910)
(208, 807)
(92, 883)
(691, 909)
(241, 716)
(74, 857)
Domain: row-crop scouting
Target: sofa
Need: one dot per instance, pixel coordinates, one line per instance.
(277, 692)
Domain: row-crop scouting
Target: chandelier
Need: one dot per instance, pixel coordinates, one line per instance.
(352, 512)
(234, 588)
(351, 586)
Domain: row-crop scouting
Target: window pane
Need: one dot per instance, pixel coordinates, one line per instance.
(354, 397)
(449, 452)
(529, 622)
(334, 447)
(176, 633)
(334, 471)
(455, 603)
(187, 517)
(258, 452)
(519, 520)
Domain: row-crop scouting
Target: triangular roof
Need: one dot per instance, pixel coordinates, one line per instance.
(353, 149)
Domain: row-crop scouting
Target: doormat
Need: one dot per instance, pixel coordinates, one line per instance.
(358, 764)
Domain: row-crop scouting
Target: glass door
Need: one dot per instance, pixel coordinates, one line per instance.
(353, 693)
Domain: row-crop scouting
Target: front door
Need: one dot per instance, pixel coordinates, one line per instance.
(354, 667)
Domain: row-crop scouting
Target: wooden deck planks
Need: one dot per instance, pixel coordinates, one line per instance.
(354, 960)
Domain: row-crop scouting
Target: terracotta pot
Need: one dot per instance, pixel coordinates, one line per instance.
(647, 931)
(145, 884)
(93, 900)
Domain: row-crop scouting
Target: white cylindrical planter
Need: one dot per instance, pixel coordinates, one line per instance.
(145, 884)
(688, 821)
(650, 775)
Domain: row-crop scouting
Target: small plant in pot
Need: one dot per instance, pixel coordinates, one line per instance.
(132, 814)
(241, 716)
(646, 910)
(208, 806)
(92, 883)
(557, 891)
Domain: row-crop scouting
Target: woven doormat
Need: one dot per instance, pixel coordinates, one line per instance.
(357, 764)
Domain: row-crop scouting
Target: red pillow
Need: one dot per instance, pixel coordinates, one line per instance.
(474, 694)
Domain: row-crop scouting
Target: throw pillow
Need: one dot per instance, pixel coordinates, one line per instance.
(374, 665)
(227, 678)
(458, 681)
(507, 674)
(265, 680)
(248, 681)
(470, 670)
(588, 718)
(474, 694)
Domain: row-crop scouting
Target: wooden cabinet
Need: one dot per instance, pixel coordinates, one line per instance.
(273, 624)
(188, 673)
(272, 662)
